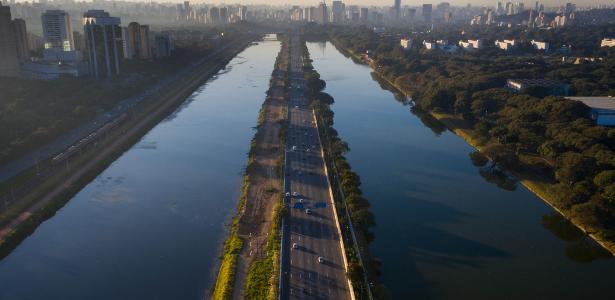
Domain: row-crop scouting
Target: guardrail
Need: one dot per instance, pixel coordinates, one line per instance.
(343, 200)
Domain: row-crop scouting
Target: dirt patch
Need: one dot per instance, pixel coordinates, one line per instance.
(265, 182)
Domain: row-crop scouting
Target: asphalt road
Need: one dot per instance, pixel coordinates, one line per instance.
(314, 233)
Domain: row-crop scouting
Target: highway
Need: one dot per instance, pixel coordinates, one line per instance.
(312, 234)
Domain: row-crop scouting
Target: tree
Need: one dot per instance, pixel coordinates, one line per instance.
(572, 167)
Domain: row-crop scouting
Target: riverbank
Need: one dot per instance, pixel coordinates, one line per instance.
(536, 183)
(250, 259)
(45, 199)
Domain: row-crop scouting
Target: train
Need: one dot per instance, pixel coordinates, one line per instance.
(92, 137)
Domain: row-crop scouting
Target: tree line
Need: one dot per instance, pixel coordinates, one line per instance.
(551, 137)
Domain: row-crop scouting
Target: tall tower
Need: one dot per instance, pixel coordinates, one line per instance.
(9, 62)
(21, 39)
(397, 8)
(104, 42)
(57, 30)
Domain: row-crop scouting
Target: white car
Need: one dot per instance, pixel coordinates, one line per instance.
(287, 194)
(301, 200)
(308, 211)
(295, 246)
(295, 194)
(321, 259)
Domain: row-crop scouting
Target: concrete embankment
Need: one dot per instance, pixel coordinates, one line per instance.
(539, 189)
(45, 199)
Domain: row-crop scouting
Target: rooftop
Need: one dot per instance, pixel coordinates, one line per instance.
(534, 82)
(605, 103)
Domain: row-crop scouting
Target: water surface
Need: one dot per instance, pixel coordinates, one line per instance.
(447, 229)
(151, 225)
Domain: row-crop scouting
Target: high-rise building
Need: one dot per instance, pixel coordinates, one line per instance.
(490, 17)
(397, 9)
(243, 12)
(411, 13)
(510, 8)
(57, 31)
(322, 13)
(214, 15)
(364, 14)
(427, 8)
(163, 46)
(145, 52)
(79, 40)
(9, 61)
(448, 17)
(308, 14)
(530, 22)
(136, 41)
(224, 14)
(337, 12)
(21, 39)
(104, 43)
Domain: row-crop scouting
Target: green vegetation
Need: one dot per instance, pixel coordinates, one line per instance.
(261, 281)
(548, 142)
(223, 288)
(348, 196)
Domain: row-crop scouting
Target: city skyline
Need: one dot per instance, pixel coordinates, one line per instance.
(378, 3)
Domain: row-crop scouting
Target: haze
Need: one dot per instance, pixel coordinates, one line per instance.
(390, 2)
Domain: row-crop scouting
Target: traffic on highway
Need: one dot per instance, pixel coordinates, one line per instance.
(315, 268)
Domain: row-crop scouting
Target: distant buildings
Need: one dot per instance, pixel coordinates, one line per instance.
(607, 43)
(506, 45)
(321, 14)
(59, 37)
(406, 43)
(57, 30)
(163, 46)
(427, 10)
(430, 45)
(471, 44)
(602, 109)
(397, 9)
(338, 10)
(538, 45)
(103, 43)
(9, 57)
(21, 39)
(440, 45)
(136, 41)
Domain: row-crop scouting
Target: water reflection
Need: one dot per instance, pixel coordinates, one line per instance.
(579, 247)
(450, 224)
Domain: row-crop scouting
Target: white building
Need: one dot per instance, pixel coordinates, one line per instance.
(506, 44)
(540, 45)
(471, 44)
(406, 43)
(430, 45)
(607, 43)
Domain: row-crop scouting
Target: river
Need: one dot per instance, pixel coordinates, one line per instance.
(447, 229)
(152, 224)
